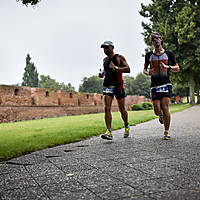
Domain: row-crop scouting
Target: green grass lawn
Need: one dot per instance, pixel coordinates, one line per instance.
(17, 138)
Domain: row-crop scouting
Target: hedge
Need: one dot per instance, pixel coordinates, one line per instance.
(142, 106)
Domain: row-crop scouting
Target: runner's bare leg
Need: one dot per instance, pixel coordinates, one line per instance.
(124, 114)
(166, 114)
(108, 117)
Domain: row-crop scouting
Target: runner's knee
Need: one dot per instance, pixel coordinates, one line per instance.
(121, 108)
(165, 109)
(107, 108)
(157, 110)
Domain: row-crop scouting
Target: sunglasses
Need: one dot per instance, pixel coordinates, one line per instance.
(155, 39)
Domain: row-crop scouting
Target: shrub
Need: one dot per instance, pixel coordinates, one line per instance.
(147, 105)
(137, 107)
(142, 106)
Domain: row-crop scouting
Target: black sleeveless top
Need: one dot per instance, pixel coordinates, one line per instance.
(112, 77)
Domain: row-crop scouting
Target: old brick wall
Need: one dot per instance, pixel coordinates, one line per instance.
(44, 97)
(68, 98)
(25, 103)
(15, 95)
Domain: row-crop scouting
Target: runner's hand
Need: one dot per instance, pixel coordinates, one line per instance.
(112, 66)
(164, 65)
(150, 72)
(147, 72)
(101, 74)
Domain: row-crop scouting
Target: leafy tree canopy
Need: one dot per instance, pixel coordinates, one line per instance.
(129, 84)
(29, 2)
(92, 84)
(141, 85)
(48, 82)
(30, 77)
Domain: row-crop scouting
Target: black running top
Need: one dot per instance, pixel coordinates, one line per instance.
(112, 77)
(160, 75)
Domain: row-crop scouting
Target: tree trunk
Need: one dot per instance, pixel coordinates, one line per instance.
(187, 93)
(191, 83)
(188, 101)
(198, 98)
(197, 91)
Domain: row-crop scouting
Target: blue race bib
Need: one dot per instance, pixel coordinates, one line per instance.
(109, 90)
(162, 88)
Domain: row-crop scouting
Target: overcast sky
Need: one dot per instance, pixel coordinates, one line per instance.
(63, 37)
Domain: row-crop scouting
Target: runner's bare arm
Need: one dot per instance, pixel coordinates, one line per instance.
(174, 68)
(123, 65)
(101, 75)
(147, 71)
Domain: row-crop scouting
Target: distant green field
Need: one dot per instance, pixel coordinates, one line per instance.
(17, 138)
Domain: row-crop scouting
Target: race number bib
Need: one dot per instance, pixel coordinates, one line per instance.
(162, 88)
(109, 90)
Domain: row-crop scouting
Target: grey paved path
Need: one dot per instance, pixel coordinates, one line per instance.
(141, 167)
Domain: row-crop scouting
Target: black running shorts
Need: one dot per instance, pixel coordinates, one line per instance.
(116, 92)
(160, 95)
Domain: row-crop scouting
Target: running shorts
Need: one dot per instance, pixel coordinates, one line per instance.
(112, 91)
(159, 95)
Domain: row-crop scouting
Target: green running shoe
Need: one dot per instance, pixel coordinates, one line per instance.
(107, 135)
(126, 132)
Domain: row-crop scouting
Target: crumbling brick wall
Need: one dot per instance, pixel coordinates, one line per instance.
(25, 103)
(15, 95)
(68, 98)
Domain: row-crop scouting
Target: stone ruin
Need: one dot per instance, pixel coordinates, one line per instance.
(25, 103)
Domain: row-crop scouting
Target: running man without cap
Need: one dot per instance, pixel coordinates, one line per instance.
(114, 66)
(161, 63)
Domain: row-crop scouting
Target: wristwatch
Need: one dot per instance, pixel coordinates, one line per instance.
(116, 67)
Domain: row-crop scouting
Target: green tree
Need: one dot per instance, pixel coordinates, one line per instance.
(129, 84)
(181, 90)
(197, 87)
(92, 84)
(29, 2)
(141, 85)
(48, 82)
(178, 22)
(68, 87)
(30, 77)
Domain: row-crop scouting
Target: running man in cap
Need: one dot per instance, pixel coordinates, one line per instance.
(114, 66)
(161, 62)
